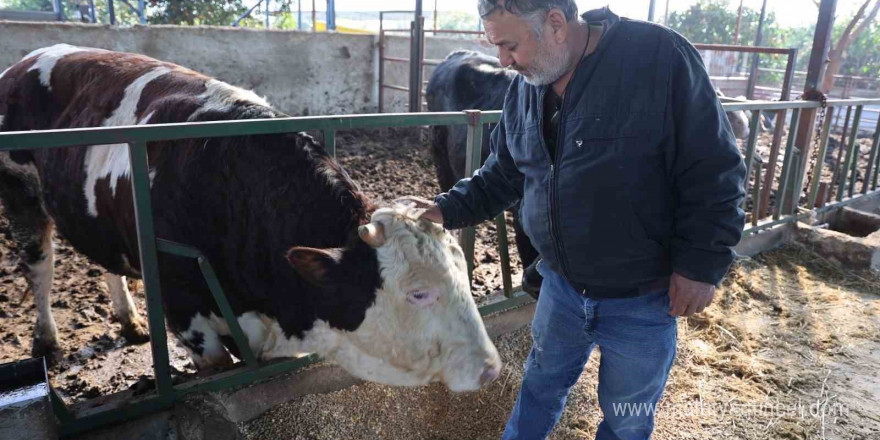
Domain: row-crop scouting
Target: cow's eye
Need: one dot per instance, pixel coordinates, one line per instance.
(422, 298)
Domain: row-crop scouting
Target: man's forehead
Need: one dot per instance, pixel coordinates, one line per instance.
(502, 28)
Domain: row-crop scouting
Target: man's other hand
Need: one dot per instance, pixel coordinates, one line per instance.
(432, 211)
(687, 297)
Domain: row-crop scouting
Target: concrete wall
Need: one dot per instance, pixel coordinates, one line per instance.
(299, 73)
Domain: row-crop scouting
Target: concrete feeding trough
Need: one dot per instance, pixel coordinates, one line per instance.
(849, 237)
(25, 405)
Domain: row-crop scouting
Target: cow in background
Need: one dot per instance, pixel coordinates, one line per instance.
(468, 80)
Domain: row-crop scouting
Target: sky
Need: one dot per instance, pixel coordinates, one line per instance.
(788, 12)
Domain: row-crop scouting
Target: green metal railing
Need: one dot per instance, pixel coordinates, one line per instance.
(138, 136)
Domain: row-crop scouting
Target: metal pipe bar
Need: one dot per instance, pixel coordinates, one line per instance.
(396, 59)
(472, 163)
(793, 194)
(753, 69)
(750, 146)
(877, 164)
(872, 158)
(111, 13)
(504, 254)
(844, 202)
(518, 299)
(769, 224)
(847, 163)
(140, 188)
(381, 67)
(213, 283)
(820, 158)
(330, 142)
(745, 49)
(449, 31)
(787, 161)
(394, 87)
(770, 174)
(246, 14)
(756, 193)
(24, 140)
(238, 336)
(841, 146)
(142, 11)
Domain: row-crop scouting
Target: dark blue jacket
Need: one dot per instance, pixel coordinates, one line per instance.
(647, 176)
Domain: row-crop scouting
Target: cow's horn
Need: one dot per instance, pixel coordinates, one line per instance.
(373, 234)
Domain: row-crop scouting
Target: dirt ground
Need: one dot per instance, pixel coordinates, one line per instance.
(790, 349)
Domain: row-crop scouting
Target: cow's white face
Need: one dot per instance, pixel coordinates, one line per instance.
(424, 325)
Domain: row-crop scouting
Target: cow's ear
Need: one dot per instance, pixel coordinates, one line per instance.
(314, 265)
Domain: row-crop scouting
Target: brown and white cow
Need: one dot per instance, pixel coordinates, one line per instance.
(304, 264)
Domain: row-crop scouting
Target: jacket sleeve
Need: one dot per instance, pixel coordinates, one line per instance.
(708, 174)
(496, 186)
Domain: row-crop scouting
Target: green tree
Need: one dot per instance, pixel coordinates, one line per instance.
(196, 12)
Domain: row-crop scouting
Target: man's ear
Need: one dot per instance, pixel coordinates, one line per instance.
(314, 265)
(557, 21)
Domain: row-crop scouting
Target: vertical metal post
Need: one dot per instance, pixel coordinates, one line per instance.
(876, 147)
(739, 16)
(268, 24)
(750, 146)
(93, 16)
(666, 14)
(142, 11)
(381, 67)
(330, 142)
(140, 188)
(314, 18)
(850, 153)
(753, 71)
(59, 11)
(873, 158)
(415, 59)
(820, 159)
(777, 133)
(756, 193)
(815, 73)
(504, 254)
(472, 163)
(651, 5)
(111, 12)
(435, 18)
(299, 15)
(331, 15)
(784, 178)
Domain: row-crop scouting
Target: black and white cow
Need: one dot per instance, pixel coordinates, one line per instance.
(307, 263)
(468, 80)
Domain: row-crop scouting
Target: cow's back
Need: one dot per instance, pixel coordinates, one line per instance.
(465, 80)
(87, 189)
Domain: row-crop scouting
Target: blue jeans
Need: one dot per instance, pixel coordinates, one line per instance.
(637, 337)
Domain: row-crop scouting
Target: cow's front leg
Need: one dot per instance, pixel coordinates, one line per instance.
(134, 328)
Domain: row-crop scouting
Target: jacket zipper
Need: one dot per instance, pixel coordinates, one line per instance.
(554, 167)
(552, 185)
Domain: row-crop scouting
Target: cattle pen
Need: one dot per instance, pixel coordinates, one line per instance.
(795, 196)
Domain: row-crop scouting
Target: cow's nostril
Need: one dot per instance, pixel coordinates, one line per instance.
(489, 374)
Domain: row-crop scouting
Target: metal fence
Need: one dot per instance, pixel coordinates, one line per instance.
(251, 369)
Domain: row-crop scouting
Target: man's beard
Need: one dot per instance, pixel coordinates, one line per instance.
(548, 66)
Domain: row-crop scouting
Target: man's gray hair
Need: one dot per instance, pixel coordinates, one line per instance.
(534, 11)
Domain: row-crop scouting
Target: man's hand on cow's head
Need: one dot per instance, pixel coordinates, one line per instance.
(432, 211)
(687, 297)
